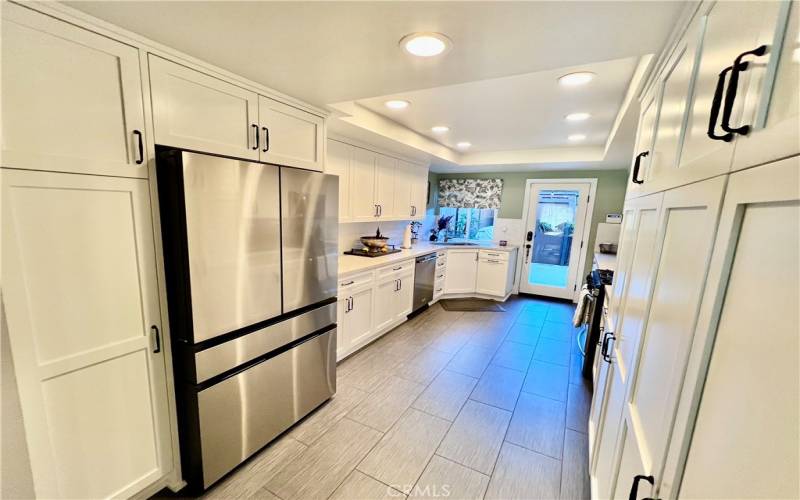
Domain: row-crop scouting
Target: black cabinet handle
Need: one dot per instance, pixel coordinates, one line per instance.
(380, 210)
(266, 139)
(636, 165)
(607, 338)
(401, 284)
(138, 134)
(635, 486)
(733, 84)
(157, 336)
(716, 103)
(255, 132)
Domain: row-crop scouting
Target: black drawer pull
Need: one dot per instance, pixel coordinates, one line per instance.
(716, 103)
(157, 336)
(255, 132)
(635, 486)
(138, 134)
(733, 84)
(636, 165)
(266, 139)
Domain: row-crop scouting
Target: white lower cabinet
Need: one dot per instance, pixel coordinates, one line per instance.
(355, 318)
(82, 306)
(462, 271)
(496, 271)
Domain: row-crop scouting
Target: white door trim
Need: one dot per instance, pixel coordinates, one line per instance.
(586, 227)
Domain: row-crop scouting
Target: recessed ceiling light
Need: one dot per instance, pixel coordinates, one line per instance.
(425, 44)
(577, 117)
(463, 144)
(397, 104)
(576, 137)
(440, 129)
(578, 78)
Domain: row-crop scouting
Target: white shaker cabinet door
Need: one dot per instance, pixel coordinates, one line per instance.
(403, 182)
(385, 168)
(195, 111)
(339, 158)
(419, 192)
(363, 206)
(462, 271)
(491, 277)
(385, 310)
(289, 136)
(404, 300)
(80, 293)
(72, 99)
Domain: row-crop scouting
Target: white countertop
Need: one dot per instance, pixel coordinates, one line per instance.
(353, 263)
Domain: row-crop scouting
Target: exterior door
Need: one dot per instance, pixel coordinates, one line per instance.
(658, 358)
(80, 293)
(556, 216)
(72, 99)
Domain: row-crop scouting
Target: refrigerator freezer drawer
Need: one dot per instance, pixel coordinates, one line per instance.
(223, 357)
(243, 413)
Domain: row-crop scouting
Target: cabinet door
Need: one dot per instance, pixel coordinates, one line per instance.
(738, 414)
(289, 136)
(644, 144)
(404, 178)
(196, 111)
(686, 231)
(491, 277)
(72, 99)
(385, 168)
(772, 103)
(358, 322)
(363, 206)
(385, 309)
(730, 28)
(462, 270)
(404, 299)
(339, 157)
(80, 293)
(419, 192)
(343, 332)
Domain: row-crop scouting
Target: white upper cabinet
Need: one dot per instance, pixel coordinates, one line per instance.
(196, 111)
(385, 167)
(72, 99)
(339, 156)
(289, 136)
(403, 185)
(362, 186)
(419, 190)
(644, 144)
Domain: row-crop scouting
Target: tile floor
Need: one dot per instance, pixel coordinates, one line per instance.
(449, 404)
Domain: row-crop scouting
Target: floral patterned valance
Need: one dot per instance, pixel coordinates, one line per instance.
(470, 193)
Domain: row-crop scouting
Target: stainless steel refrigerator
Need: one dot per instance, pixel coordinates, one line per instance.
(250, 254)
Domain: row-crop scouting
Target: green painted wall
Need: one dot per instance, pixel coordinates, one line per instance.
(610, 196)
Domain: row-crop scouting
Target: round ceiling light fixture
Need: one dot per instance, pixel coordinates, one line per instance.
(574, 79)
(440, 129)
(427, 44)
(463, 145)
(397, 104)
(576, 137)
(577, 117)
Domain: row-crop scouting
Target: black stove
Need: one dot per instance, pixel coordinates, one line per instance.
(371, 253)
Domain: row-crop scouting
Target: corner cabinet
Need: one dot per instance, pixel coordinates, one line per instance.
(375, 186)
(462, 271)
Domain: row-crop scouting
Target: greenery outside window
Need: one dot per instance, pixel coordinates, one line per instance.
(469, 223)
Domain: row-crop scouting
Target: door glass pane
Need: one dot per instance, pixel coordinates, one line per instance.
(552, 240)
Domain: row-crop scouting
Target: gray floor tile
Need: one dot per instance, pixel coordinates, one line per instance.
(471, 360)
(248, 482)
(548, 380)
(499, 387)
(488, 338)
(446, 394)
(359, 486)
(538, 424)
(475, 438)
(383, 407)
(579, 401)
(524, 474)
(524, 334)
(451, 341)
(552, 351)
(533, 316)
(560, 313)
(513, 355)
(558, 331)
(444, 478)
(576, 367)
(368, 370)
(318, 471)
(424, 367)
(575, 467)
(402, 454)
(316, 424)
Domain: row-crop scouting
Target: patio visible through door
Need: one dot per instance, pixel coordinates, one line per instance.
(556, 218)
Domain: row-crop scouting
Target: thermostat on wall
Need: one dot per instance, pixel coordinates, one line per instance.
(613, 218)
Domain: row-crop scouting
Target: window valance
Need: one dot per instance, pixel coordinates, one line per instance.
(470, 193)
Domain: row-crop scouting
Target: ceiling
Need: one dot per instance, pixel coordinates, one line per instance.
(496, 85)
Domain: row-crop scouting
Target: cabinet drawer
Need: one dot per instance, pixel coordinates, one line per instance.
(441, 263)
(493, 255)
(347, 284)
(441, 254)
(439, 274)
(396, 268)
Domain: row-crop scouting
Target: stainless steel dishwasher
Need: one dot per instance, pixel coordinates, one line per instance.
(424, 271)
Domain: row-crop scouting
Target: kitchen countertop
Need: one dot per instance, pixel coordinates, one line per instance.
(353, 263)
(605, 261)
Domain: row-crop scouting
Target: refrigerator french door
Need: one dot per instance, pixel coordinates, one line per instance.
(250, 255)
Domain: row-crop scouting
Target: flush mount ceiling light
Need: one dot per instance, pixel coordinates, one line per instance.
(463, 145)
(440, 129)
(397, 104)
(579, 78)
(425, 44)
(576, 137)
(577, 117)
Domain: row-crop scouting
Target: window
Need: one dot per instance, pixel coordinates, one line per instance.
(469, 223)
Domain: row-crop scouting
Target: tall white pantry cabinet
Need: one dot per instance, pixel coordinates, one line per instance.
(701, 396)
(82, 277)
